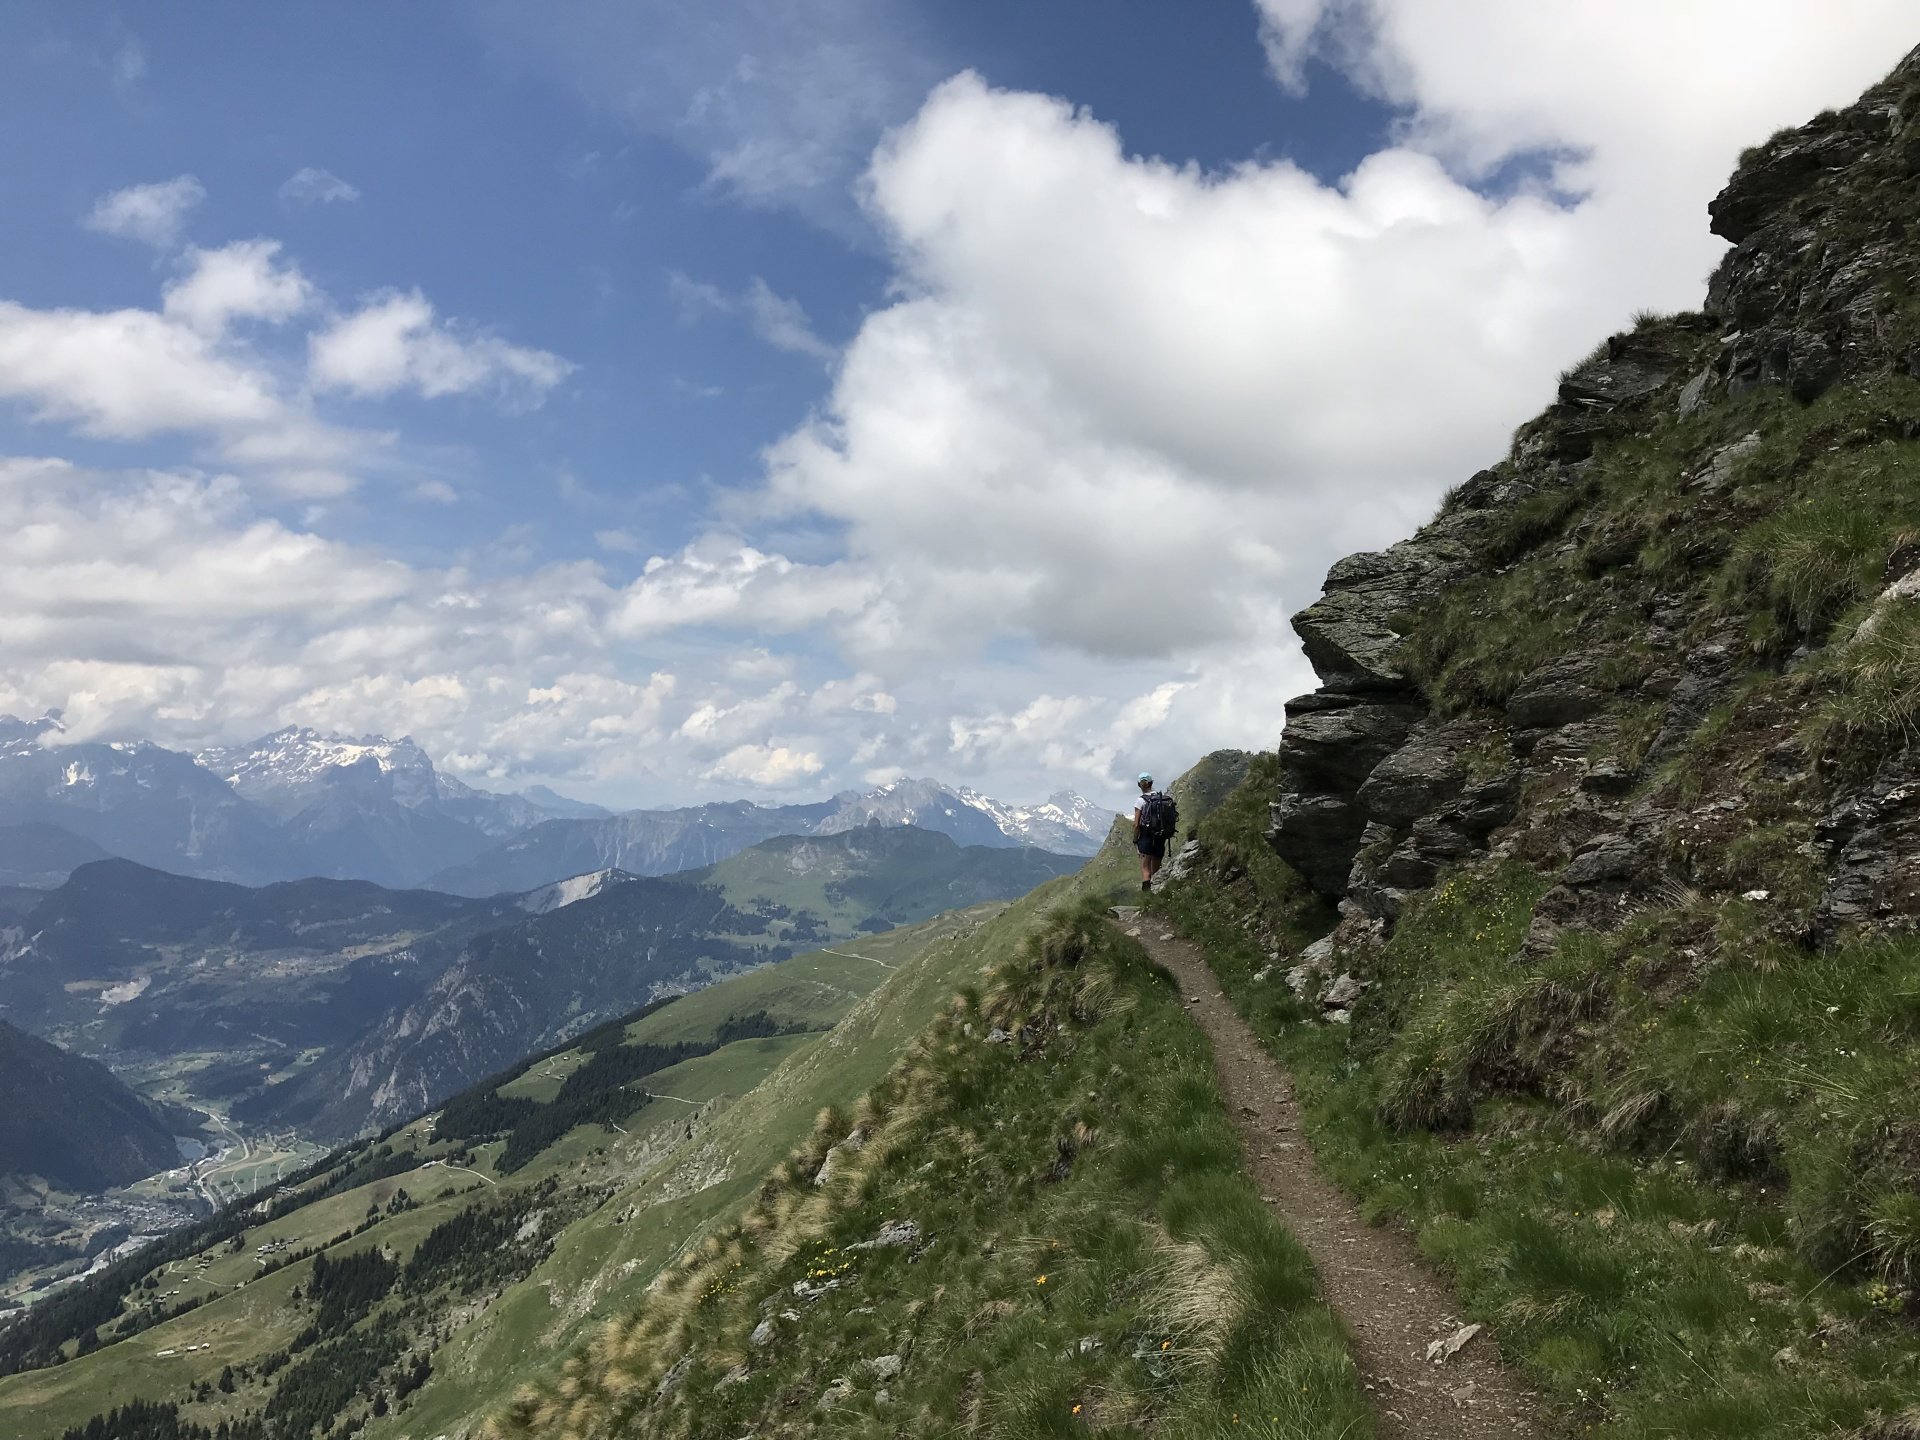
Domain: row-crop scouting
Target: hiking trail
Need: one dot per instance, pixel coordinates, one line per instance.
(1391, 1304)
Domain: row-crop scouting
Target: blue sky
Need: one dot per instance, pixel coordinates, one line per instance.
(519, 192)
(666, 402)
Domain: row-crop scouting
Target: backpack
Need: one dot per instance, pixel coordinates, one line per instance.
(1159, 816)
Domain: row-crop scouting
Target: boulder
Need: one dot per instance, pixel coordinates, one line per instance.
(1180, 865)
(1607, 858)
(1421, 776)
(1704, 677)
(884, 1367)
(1717, 473)
(1557, 693)
(1330, 746)
(1342, 993)
(1607, 776)
(895, 1234)
(1333, 739)
(839, 1154)
(1697, 391)
(1349, 634)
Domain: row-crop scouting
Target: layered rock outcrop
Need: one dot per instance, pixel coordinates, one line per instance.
(1598, 761)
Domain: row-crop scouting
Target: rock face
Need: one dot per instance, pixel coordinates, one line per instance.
(1361, 761)
(1587, 763)
(1872, 844)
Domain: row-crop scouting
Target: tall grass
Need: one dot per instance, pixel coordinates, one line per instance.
(1090, 1256)
(1688, 1214)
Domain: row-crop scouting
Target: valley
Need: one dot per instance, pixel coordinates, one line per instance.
(269, 1023)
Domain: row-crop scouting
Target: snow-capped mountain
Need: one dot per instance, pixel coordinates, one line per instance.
(291, 804)
(137, 800)
(282, 770)
(1065, 823)
(302, 803)
(289, 769)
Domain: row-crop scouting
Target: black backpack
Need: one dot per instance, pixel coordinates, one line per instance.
(1159, 816)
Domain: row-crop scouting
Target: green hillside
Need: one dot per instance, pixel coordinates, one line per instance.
(244, 1314)
(67, 1119)
(1036, 1223)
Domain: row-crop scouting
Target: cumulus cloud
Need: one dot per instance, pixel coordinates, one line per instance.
(153, 603)
(124, 374)
(204, 363)
(773, 767)
(1128, 409)
(242, 281)
(311, 185)
(717, 581)
(395, 342)
(152, 214)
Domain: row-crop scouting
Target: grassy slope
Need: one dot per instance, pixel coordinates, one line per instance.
(604, 1263)
(810, 990)
(1099, 1263)
(1679, 1163)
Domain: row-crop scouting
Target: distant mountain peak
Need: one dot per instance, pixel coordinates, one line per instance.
(1065, 822)
(15, 732)
(572, 890)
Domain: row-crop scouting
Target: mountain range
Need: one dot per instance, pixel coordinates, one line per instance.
(328, 1006)
(298, 803)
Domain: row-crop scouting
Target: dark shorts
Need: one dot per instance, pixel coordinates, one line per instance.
(1153, 845)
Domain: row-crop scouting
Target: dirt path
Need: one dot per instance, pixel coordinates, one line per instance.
(1391, 1304)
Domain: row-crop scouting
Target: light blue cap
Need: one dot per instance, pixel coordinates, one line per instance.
(1145, 779)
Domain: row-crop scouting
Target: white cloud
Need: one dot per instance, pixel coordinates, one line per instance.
(773, 767)
(124, 374)
(780, 321)
(719, 582)
(780, 102)
(311, 185)
(152, 214)
(395, 343)
(1125, 409)
(241, 281)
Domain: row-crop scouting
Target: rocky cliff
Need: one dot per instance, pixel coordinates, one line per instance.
(1670, 645)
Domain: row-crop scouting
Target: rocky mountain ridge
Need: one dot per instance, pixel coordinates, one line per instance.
(661, 842)
(1675, 493)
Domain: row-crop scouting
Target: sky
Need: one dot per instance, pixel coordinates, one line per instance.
(671, 402)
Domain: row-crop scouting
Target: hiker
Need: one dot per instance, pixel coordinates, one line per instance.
(1155, 819)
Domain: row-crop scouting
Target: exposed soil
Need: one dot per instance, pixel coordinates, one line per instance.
(1391, 1304)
